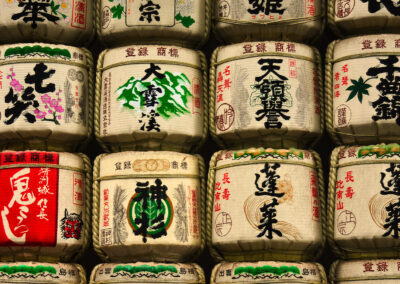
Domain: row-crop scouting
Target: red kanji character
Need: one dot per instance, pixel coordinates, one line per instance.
(349, 192)
(228, 155)
(314, 192)
(279, 46)
(291, 47)
(226, 178)
(315, 211)
(339, 184)
(345, 81)
(220, 97)
(261, 47)
(397, 43)
(380, 43)
(219, 88)
(368, 267)
(352, 152)
(226, 194)
(337, 86)
(366, 44)
(349, 176)
(337, 94)
(220, 78)
(398, 266)
(218, 185)
(339, 194)
(130, 52)
(227, 72)
(247, 48)
(345, 68)
(161, 51)
(382, 266)
(227, 83)
(339, 205)
(217, 195)
(337, 76)
(217, 207)
(143, 51)
(173, 52)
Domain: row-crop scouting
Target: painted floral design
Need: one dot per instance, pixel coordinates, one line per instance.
(52, 108)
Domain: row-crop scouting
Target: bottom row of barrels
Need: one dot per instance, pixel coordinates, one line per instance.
(368, 271)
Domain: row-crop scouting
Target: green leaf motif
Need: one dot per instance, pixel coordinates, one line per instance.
(186, 21)
(152, 211)
(117, 11)
(358, 88)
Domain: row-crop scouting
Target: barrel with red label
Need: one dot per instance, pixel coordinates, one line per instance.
(147, 272)
(364, 201)
(149, 206)
(275, 211)
(41, 272)
(45, 205)
(265, 94)
(67, 21)
(45, 97)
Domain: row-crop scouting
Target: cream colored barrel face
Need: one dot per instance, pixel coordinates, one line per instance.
(147, 272)
(268, 272)
(156, 21)
(44, 94)
(246, 20)
(151, 98)
(66, 21)
(253, 213)
(367, 199)
(368, 271)
(41, 272)
(266, 93)
(43, 205)
(149, 206)
(364, 89)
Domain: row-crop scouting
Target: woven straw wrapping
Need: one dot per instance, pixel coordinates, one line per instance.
(358, 220)
(182, 23)
(235, 118)
(139, 272)
(184, 237)
(300, 21)
(274, 272)
(74, 23)
(354, 18)
(365, 271)
(119, 124)
(302, 241)
(59, 116)
(356, 95)
(70, 168)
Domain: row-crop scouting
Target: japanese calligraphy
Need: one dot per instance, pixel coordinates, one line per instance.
(374, 6)
(266, 6)
(149, 12)
(35, 11)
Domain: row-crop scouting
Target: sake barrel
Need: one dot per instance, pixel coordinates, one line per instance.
(55, 21)
(273, 212)
(268, 272)
(363, 201)
(365, 271)
(45, 205)
(362, 90)
(248, 20)
(184, 23)
(45, 97)
(41, 272)
(147, 272)
(151, 97)
(350, 17)
(265, 94)
(148, 206)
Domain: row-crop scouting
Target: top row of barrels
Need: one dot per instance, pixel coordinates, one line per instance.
(187, 22)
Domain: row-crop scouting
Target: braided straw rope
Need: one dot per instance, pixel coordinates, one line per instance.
(331, 18)
(207, 24)
(200, 273)
(329, 94)
(97, 100)
(96, 209)
(332, 272)
(82, 274)
(318, 63)
(214, 272)
(322, 273)
(203, 189)
(90, 67)
(98, 19)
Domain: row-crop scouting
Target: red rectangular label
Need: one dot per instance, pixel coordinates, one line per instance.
(28, 207)
(79, 14)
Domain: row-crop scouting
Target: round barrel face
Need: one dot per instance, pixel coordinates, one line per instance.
(45, 93)
(66, 21)
(43, 209)
(157, 21)
(265, 94)
(367, 271)
(149, 206)
(147, 272)
(252, 215)
(268, 272)
(246, 20)
(41, 272)
(363, 90)
(151, 97)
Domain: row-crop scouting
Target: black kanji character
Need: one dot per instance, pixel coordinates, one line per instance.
(153, 70)
(268, 186)
(375, 5)
(34, 12)
(393, 220)
(149, 11)
(268, 219)
(38, 78)
(20, 105)
(265, 6)
(393, 184)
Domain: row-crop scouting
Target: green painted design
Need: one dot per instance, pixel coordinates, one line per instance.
(267, 269)
(117, 11)
(171, 101)
(54, 9)
(359, 88)
(145, 268)
(186, 21)
(27, 269)
(22, 51)
(379, 150)
(255, 153)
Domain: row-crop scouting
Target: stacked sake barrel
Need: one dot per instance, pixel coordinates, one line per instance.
(265, 91)
(151, 110)
(46, 82)
(362, 115)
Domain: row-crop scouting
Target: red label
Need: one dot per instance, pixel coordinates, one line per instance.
(28, 204)
(79, 14)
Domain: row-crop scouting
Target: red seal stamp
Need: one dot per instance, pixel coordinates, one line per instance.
(343, 8)
(225, 117)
